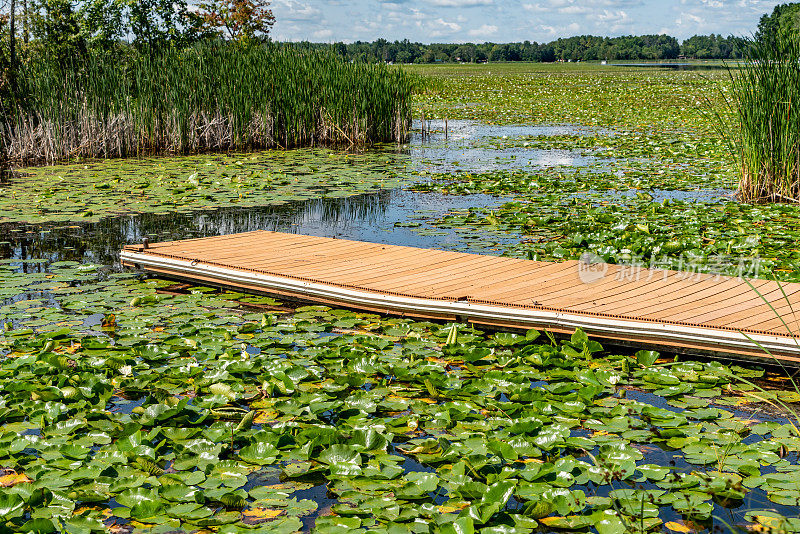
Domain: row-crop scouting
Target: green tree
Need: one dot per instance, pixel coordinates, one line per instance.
(102, 22)
(427, 57)
(465, 53)
(240, 20)
(498, 53)
(783, 22)
(56, 25)
(157, 23)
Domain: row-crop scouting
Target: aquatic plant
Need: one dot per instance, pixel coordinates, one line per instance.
(555, 216)
(197, 409)
(169, 184)
(134, 405)
(765, 137)
(211, 97)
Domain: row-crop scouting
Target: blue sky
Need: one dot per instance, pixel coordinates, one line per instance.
(454, 21)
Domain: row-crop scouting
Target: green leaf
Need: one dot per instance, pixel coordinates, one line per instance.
(647, 358)
(503, 449)
(11, 506)
(418, 486)
(259, 453)
(342, 460)
(38, 526)
(134, 496)
(147, 509)
(368, 440)
(579, 337)
(608, 522)
(462, 525)
(492, 501)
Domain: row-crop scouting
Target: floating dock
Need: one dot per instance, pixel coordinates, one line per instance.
(665, 310)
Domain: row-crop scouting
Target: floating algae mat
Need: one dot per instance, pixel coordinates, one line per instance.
(162, 185)
(132, 408)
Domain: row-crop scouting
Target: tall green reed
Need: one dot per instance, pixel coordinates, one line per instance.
(765, 137)
(210, 97)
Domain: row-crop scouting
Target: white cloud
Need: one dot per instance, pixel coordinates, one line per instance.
(295, 11)
(461, 3)
(486, 30)
(323, 35)
(441, 28)
(510, 20)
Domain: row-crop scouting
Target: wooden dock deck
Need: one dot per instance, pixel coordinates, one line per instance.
(666, 310)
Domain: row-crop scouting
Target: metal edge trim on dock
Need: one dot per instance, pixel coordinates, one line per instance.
(536, 318)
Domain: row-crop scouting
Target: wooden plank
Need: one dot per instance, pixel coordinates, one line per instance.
(764, 317)
(541, 278)
(453, 264)
(427, 282)
(572, 293)
(392, 266)
(660, 295)
(706, 299)
(322, 262)
(554, 293)
(245, 251)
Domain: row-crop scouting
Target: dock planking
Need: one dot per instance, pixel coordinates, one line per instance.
(667, 310)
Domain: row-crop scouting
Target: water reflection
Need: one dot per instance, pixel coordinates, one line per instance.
(673, 66)
(369, 217)
(473, 147)
(463, 130)
(5, 176)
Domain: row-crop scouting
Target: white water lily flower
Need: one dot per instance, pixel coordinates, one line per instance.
(126, 370)
(187, 368)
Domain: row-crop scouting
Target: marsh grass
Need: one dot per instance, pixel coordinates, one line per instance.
(213, 97)
(791, 412)
(765, 136)
(775, 522)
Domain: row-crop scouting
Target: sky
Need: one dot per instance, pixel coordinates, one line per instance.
(502, 21)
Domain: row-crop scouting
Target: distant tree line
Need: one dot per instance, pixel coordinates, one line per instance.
(579, 48)
(784, 20)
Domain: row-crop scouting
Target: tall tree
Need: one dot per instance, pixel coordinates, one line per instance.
(156, 23)
(783, 22)
(57, 26)
(101, 22)
(240, 20)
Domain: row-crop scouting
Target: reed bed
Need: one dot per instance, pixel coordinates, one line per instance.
(766, 106)
(213, 97)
